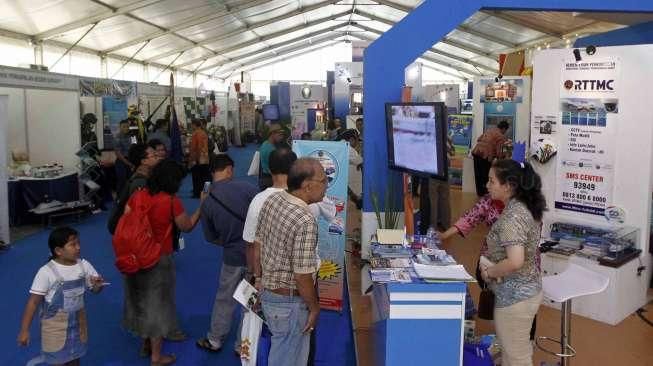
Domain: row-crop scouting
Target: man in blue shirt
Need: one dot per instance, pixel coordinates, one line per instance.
(275, 136)
(223, 218)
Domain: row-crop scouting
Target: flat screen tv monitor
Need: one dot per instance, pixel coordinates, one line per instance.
(270, 112)
(417, 138)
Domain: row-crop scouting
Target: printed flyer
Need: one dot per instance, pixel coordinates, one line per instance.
(334, 157)
(589, 113)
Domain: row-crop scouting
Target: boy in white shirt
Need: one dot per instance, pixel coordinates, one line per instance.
(61, 283)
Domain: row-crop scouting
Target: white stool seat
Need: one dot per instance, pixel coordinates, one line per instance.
(575, 281)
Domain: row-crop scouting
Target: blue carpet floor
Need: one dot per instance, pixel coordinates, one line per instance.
(198, 267)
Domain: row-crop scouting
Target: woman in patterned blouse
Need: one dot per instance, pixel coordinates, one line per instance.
(514, 275)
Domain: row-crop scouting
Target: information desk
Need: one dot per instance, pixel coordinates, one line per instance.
(418, 323)
(26, 193)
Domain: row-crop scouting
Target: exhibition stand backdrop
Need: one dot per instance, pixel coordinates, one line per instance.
(596, 114)
(387, 57)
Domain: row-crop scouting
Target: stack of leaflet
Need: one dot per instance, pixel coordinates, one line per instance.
(434, 257)
(377, 262)
(390, 275)
(390, 251)
(430, 273)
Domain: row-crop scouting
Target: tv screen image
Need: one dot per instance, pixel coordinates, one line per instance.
(270, 112)
(416, 138)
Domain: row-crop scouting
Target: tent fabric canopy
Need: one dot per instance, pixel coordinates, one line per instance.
(219, 37)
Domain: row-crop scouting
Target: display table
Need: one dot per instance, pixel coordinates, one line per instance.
(25, 193)
(418, 323)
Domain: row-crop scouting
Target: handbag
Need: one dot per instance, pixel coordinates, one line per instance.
(486, 298)
(175, 231)
(254, 166)
(486, 304)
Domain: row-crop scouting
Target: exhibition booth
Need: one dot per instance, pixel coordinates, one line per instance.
(46, 152)
(582, 125)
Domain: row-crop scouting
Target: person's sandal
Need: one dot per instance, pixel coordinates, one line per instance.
(164, 360)
(204, 344)
(176, 336)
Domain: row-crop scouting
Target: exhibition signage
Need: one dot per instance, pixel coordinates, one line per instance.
(334, 157)
(36, 79)
(92, 87)
(589, 113)
(460, 132)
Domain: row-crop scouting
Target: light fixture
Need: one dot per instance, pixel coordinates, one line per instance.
(577, 55)
(590, 50)
(306, 92)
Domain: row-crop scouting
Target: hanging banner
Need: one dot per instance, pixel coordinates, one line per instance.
(334, 157)
(92, 87)
(589, 112)
(460, 132)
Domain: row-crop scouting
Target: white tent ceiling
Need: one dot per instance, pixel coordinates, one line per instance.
(219, 37)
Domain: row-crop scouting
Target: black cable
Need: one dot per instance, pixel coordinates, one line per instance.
(640, 312)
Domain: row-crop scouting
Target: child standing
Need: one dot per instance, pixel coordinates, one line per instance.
(62, 283)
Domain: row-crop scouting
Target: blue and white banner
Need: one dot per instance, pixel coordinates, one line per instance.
(334, 157)
(589, 115)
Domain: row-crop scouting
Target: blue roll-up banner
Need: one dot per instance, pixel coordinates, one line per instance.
(334, 157)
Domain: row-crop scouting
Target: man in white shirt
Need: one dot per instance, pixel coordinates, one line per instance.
(280, 161)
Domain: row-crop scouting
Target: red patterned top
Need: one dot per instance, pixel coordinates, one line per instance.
(486, 210)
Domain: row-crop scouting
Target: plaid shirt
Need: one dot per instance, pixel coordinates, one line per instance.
(287, 232)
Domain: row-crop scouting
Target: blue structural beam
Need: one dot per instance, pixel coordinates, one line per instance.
(636, 34)
(387, 57)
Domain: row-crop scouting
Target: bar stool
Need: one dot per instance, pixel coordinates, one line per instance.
(574, 282)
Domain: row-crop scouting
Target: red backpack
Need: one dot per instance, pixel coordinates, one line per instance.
(133, 242)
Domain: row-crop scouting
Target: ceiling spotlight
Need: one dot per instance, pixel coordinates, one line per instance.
(497, 78)
(577, 55)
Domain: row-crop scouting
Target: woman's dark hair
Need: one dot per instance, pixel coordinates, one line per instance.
(59, 237)
(166, 177)
(137, 153)
(525, 182)
(503, 125)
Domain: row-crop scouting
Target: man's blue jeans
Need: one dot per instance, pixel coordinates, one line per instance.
(286, 317)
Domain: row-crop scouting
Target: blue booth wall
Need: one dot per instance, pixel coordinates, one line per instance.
(636, 34)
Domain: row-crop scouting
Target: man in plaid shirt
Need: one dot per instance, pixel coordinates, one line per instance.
(287, 232)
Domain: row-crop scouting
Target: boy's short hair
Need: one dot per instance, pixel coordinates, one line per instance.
(220, 162)
(59, 237)
(281, 159)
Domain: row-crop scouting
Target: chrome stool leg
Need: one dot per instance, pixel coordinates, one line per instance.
(566, 350)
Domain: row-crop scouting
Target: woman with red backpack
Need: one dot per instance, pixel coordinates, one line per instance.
(149, 310)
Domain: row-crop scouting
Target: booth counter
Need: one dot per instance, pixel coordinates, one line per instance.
(418, 323)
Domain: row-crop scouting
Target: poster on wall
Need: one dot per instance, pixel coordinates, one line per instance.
(589, 113)
(499, 100)
(502, 91)
(460, 132)
(114, 110)
(334, 157)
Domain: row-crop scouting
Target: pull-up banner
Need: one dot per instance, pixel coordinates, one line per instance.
(334, 157)
(589, 113)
